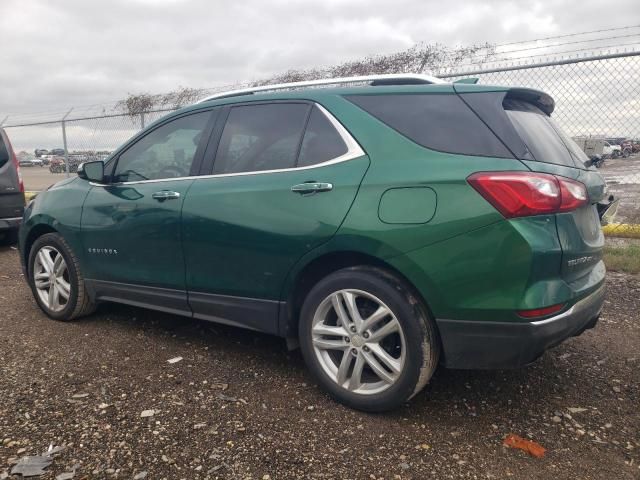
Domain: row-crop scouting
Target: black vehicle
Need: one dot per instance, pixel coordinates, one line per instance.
(11, 192)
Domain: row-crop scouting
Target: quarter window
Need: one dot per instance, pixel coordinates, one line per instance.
(166, 152)
(321, 141)
(261, 137)
(437, 121)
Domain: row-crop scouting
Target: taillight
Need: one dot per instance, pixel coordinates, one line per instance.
(574, 194)
(15, 163)
(521, 194)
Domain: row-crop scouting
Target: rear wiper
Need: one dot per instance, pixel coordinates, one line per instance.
(596, 161)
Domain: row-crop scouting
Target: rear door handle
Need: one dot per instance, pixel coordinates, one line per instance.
(165, 195)
(312, 187)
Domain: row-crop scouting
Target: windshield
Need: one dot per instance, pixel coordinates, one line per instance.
(543, 136)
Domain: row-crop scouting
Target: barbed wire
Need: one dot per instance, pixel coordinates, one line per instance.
(547, 55)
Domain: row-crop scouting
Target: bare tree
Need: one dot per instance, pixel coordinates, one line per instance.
(135, 104)
(417, 59)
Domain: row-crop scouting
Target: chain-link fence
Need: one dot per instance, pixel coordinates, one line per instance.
(597, 102)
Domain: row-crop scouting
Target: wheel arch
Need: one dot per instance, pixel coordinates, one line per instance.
(36, 232)
(324, 265)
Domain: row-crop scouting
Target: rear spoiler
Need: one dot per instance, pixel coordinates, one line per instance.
(540, 99)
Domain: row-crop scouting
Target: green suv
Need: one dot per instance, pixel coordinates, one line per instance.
(384, 224)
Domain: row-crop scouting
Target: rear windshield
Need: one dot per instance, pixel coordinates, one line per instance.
(543, 137)
(440, 122)
(4, 153)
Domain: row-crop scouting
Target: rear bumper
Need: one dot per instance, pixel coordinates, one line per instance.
(480, 345)
(10, 223)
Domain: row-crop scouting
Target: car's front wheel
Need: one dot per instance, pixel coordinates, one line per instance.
(55, 278)
(367, 339)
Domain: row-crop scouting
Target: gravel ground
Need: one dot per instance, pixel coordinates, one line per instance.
(238, 405)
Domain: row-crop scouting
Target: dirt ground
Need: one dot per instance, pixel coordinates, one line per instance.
(238, 405)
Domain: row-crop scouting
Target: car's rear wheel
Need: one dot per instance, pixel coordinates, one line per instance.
(56, 281)
(367, 339)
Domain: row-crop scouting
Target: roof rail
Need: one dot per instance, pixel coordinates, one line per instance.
(374, 80)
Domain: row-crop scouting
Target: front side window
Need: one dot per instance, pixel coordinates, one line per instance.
(261, 137)
(166, 152)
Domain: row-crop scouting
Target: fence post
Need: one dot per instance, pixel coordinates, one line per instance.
(64, 143)
(141, 120)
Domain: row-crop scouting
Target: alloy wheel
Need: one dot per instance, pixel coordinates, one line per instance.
(358, 341)
(51, 278)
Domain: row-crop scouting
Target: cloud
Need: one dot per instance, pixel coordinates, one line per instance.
(67, 53)
(74, 52)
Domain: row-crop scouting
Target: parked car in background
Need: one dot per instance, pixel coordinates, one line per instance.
(58, 165)
(11, 192)
(627, 149)
(384, 228)
(611, 150)
(31, 162)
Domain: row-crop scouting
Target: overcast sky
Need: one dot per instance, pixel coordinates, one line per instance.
(78, 52)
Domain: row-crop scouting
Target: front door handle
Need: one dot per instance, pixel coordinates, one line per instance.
(312, 187)
(165, 195)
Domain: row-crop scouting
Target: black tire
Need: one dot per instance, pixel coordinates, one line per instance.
(422, 345)
(79, 304)
(9, 237)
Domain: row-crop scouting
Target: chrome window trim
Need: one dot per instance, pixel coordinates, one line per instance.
(353, 151)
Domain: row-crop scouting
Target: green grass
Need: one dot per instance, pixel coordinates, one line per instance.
(622, 259)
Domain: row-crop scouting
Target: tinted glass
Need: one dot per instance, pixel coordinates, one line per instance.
(543, 137)
(4, 152)
(439, 122)
(321, 141)
(261, 137)
(166, 152)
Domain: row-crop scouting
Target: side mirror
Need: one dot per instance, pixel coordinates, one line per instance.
(92, 171)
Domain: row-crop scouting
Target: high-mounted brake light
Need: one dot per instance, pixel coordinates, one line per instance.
(521, 194)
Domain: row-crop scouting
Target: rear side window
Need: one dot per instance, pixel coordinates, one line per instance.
(436, 121)
(321, 141)
(261, 137)
(4, 152)
(543, 137)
